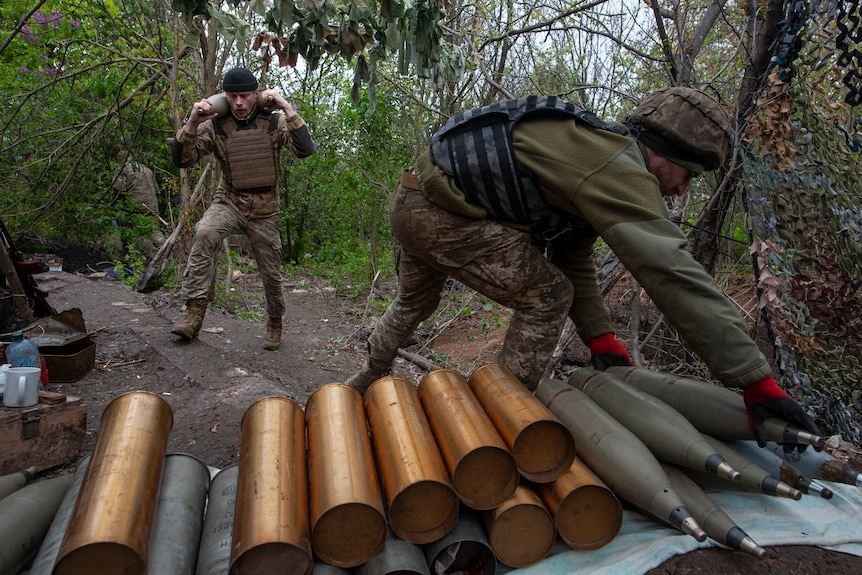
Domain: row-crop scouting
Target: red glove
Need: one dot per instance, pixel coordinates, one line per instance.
(606, 351)
(765, 399)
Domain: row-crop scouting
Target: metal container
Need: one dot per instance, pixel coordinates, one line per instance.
(177, 528)
(398, 557)
(542, 446)
(271, 526)
(214, 549)
(25, 518)
(520, 531)
(464, 550)
(69, 363)
(586, 513)
(482, 470)
(45, 559)
(421, 502)
(109, 530)
(348, 525)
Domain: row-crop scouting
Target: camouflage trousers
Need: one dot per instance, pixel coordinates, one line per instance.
(498, 261)
(219, 221)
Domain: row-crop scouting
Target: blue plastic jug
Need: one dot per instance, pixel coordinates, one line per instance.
(22, 352)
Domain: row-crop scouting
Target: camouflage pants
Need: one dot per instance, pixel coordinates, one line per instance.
(496, 260)
(220, 220)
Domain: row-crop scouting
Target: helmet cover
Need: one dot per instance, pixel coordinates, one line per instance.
(684, 123)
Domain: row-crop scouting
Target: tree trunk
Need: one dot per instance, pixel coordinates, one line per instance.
(761, 34)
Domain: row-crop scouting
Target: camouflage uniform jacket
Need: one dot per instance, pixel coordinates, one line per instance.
(602, 178)
(293, 134)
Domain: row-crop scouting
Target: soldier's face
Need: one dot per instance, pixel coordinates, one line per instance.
(673, 179)
(241, 103)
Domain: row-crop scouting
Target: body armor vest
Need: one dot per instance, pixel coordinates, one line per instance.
(475, 148)
(251, 154)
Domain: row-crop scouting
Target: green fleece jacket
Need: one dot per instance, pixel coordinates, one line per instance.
(602, 178)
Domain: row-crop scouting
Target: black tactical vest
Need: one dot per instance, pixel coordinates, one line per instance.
(475, 148)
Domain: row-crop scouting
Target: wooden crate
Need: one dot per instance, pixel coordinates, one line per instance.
(50, 433)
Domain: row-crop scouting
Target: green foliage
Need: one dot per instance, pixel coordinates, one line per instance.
(367, 32)
(61, 120)
(336, 201)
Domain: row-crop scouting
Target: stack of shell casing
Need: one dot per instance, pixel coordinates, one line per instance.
(453, 474)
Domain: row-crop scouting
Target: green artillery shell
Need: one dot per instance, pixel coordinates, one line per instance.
(669, 435)
(617, 456)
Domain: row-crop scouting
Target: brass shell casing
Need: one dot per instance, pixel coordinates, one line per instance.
(586, 512)
(271, 526)
(110, 526)
(481, 467)
(520, 531)
(348, 525)
(542, 446)
(422, 503)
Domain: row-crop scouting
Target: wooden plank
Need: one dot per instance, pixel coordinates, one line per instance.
(42, 436)
(51, 398)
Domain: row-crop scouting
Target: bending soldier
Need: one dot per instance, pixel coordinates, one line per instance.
(502, 183)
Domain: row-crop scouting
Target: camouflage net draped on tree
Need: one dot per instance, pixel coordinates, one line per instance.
(802, 186)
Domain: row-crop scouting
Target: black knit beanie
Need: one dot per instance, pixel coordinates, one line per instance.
(239, 80)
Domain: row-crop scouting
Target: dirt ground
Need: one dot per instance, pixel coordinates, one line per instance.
(211, 382)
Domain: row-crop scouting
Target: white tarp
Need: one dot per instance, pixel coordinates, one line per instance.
(644, 543)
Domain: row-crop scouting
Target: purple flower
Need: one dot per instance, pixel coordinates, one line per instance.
(28, 34)
(55, 18)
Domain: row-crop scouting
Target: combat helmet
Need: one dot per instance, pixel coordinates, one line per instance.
(685, 125)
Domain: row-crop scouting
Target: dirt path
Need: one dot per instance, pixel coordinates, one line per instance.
(211, 382)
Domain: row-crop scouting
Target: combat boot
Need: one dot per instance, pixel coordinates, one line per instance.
(190, 326)
(273, 333)
(362, 379)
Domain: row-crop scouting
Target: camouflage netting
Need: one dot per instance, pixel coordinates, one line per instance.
(803, 185)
